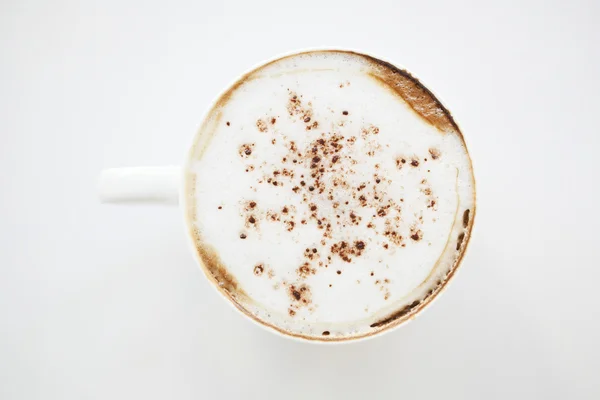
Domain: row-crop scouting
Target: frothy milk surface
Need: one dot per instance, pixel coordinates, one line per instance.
(329, 195)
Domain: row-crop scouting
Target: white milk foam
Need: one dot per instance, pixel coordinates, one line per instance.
(322, 203)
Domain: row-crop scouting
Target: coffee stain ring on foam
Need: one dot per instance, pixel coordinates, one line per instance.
(421, 100)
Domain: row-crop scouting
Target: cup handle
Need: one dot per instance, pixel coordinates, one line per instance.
(140, 185)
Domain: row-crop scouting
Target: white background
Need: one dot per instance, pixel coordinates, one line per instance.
(105, 302)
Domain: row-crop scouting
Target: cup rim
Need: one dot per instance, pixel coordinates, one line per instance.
(389, 327)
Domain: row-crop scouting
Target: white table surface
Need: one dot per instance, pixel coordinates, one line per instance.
(105, 302)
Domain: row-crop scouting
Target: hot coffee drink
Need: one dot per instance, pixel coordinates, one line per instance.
(329, 195)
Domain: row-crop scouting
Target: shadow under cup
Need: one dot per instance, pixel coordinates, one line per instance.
(329, 195)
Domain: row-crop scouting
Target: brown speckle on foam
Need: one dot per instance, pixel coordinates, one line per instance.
(400, 161)
(273, 216)
(261, 125)
(300, 295)
(343, 250)
(290, 225)
(416, 234)
(305, 270)
(251, 221)
(430, 200)
(245, 150)
(370, 130)
(296, 108)
(435, 153)
(259, 269)
(392, 235)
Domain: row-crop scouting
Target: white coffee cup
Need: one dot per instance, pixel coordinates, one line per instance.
(171, 185)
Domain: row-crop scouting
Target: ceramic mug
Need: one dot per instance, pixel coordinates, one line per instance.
(403, 261)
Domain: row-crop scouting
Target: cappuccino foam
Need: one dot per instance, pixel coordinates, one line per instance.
(329, 195)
